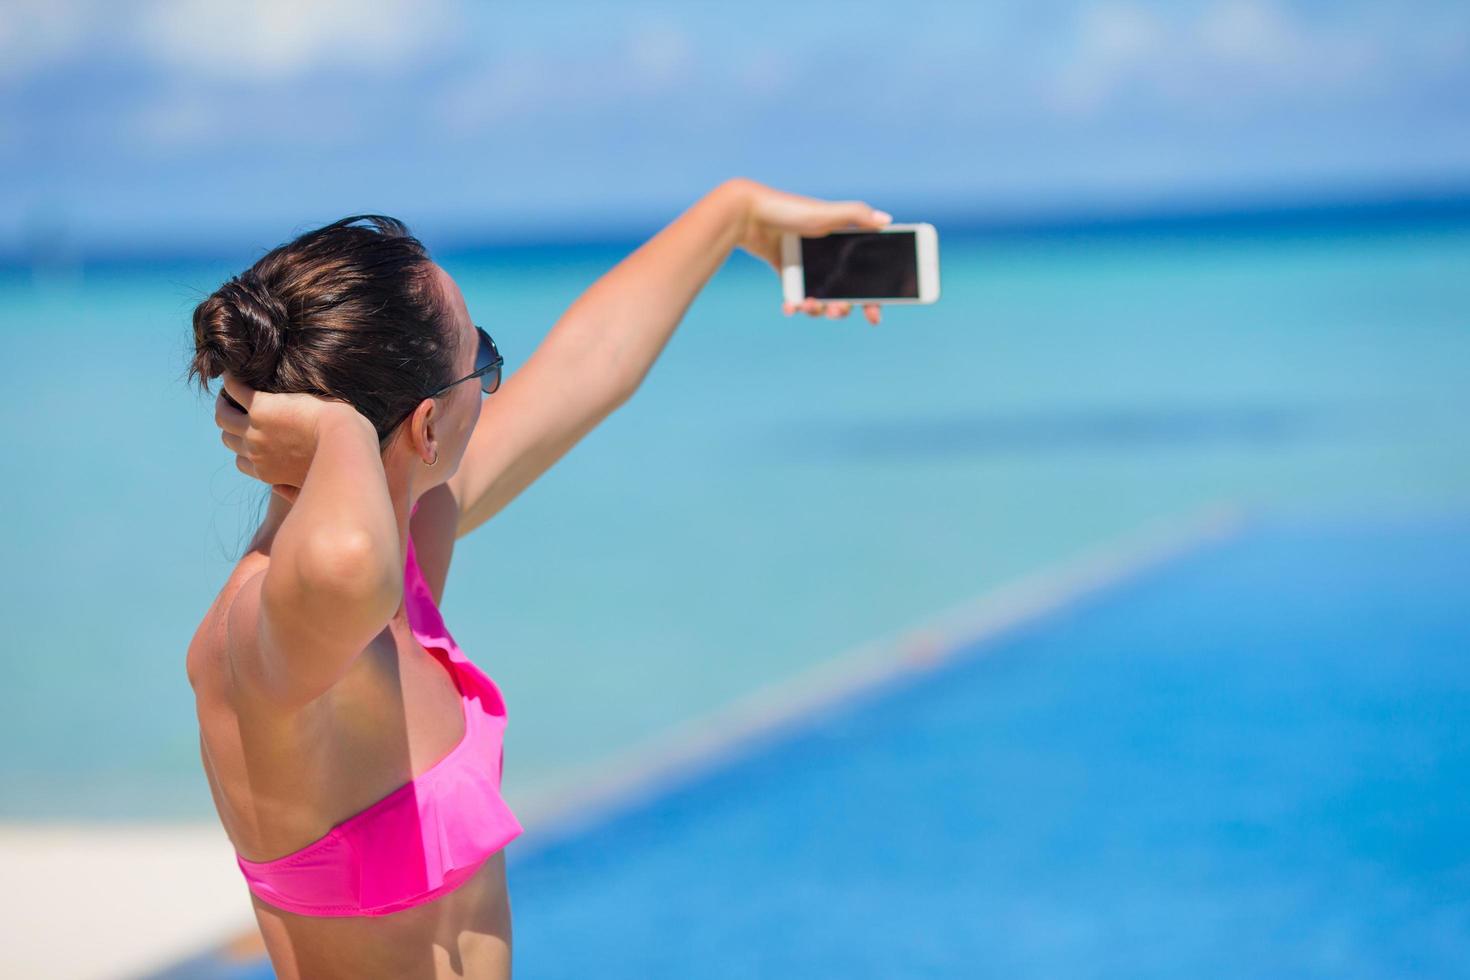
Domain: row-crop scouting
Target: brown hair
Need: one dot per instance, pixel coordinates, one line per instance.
(345, 311)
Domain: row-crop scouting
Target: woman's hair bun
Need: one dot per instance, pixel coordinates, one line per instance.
(242, 329)
(350, 311)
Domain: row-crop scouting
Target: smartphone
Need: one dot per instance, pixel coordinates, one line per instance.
(896, 264)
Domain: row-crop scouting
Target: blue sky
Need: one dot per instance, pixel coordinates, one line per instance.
(130, 125)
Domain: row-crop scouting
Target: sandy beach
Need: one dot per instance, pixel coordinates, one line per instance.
(103, 901)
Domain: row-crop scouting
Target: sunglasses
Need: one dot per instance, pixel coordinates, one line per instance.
(487, 368)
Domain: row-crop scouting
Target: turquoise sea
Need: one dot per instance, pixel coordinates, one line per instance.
(780, 490)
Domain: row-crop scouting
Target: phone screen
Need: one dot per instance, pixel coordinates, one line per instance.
(862, 265)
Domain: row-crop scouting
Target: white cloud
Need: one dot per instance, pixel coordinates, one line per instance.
(35, 33)
(1249, 31)
(660, 53)
(1115, 40)
(495, 91)
(1122, 32)
(1229, 52)
(180, 119)
(262, 40)
(519, 82)
(1259, 35)
(766, 72)
(273, 39)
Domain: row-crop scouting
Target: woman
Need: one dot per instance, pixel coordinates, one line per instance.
(353, 751)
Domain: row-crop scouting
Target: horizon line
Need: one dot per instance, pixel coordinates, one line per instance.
(1400, 207)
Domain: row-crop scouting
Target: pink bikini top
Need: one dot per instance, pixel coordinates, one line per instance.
(424, 838)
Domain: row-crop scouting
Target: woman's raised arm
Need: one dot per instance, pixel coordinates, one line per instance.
(600, 350)
(336, 574)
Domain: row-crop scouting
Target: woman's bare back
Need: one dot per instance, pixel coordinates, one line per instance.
(281, 780)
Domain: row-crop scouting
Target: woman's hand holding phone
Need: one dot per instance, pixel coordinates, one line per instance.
(771, 213)
(273, 435)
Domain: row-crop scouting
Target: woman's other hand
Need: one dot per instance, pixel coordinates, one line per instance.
(770, 213)
(274, 439)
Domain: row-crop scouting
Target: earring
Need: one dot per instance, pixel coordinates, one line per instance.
(436, 456)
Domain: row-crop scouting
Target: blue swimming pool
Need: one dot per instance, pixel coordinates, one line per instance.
(1252, 760)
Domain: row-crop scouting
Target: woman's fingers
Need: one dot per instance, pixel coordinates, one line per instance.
(809, 306)
(237, 391)
(228, 417)
(836, 215)
(833, 309)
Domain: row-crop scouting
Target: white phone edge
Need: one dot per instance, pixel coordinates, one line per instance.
(926, 240)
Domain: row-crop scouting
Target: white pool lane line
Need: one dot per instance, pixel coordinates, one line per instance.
(89, 901)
